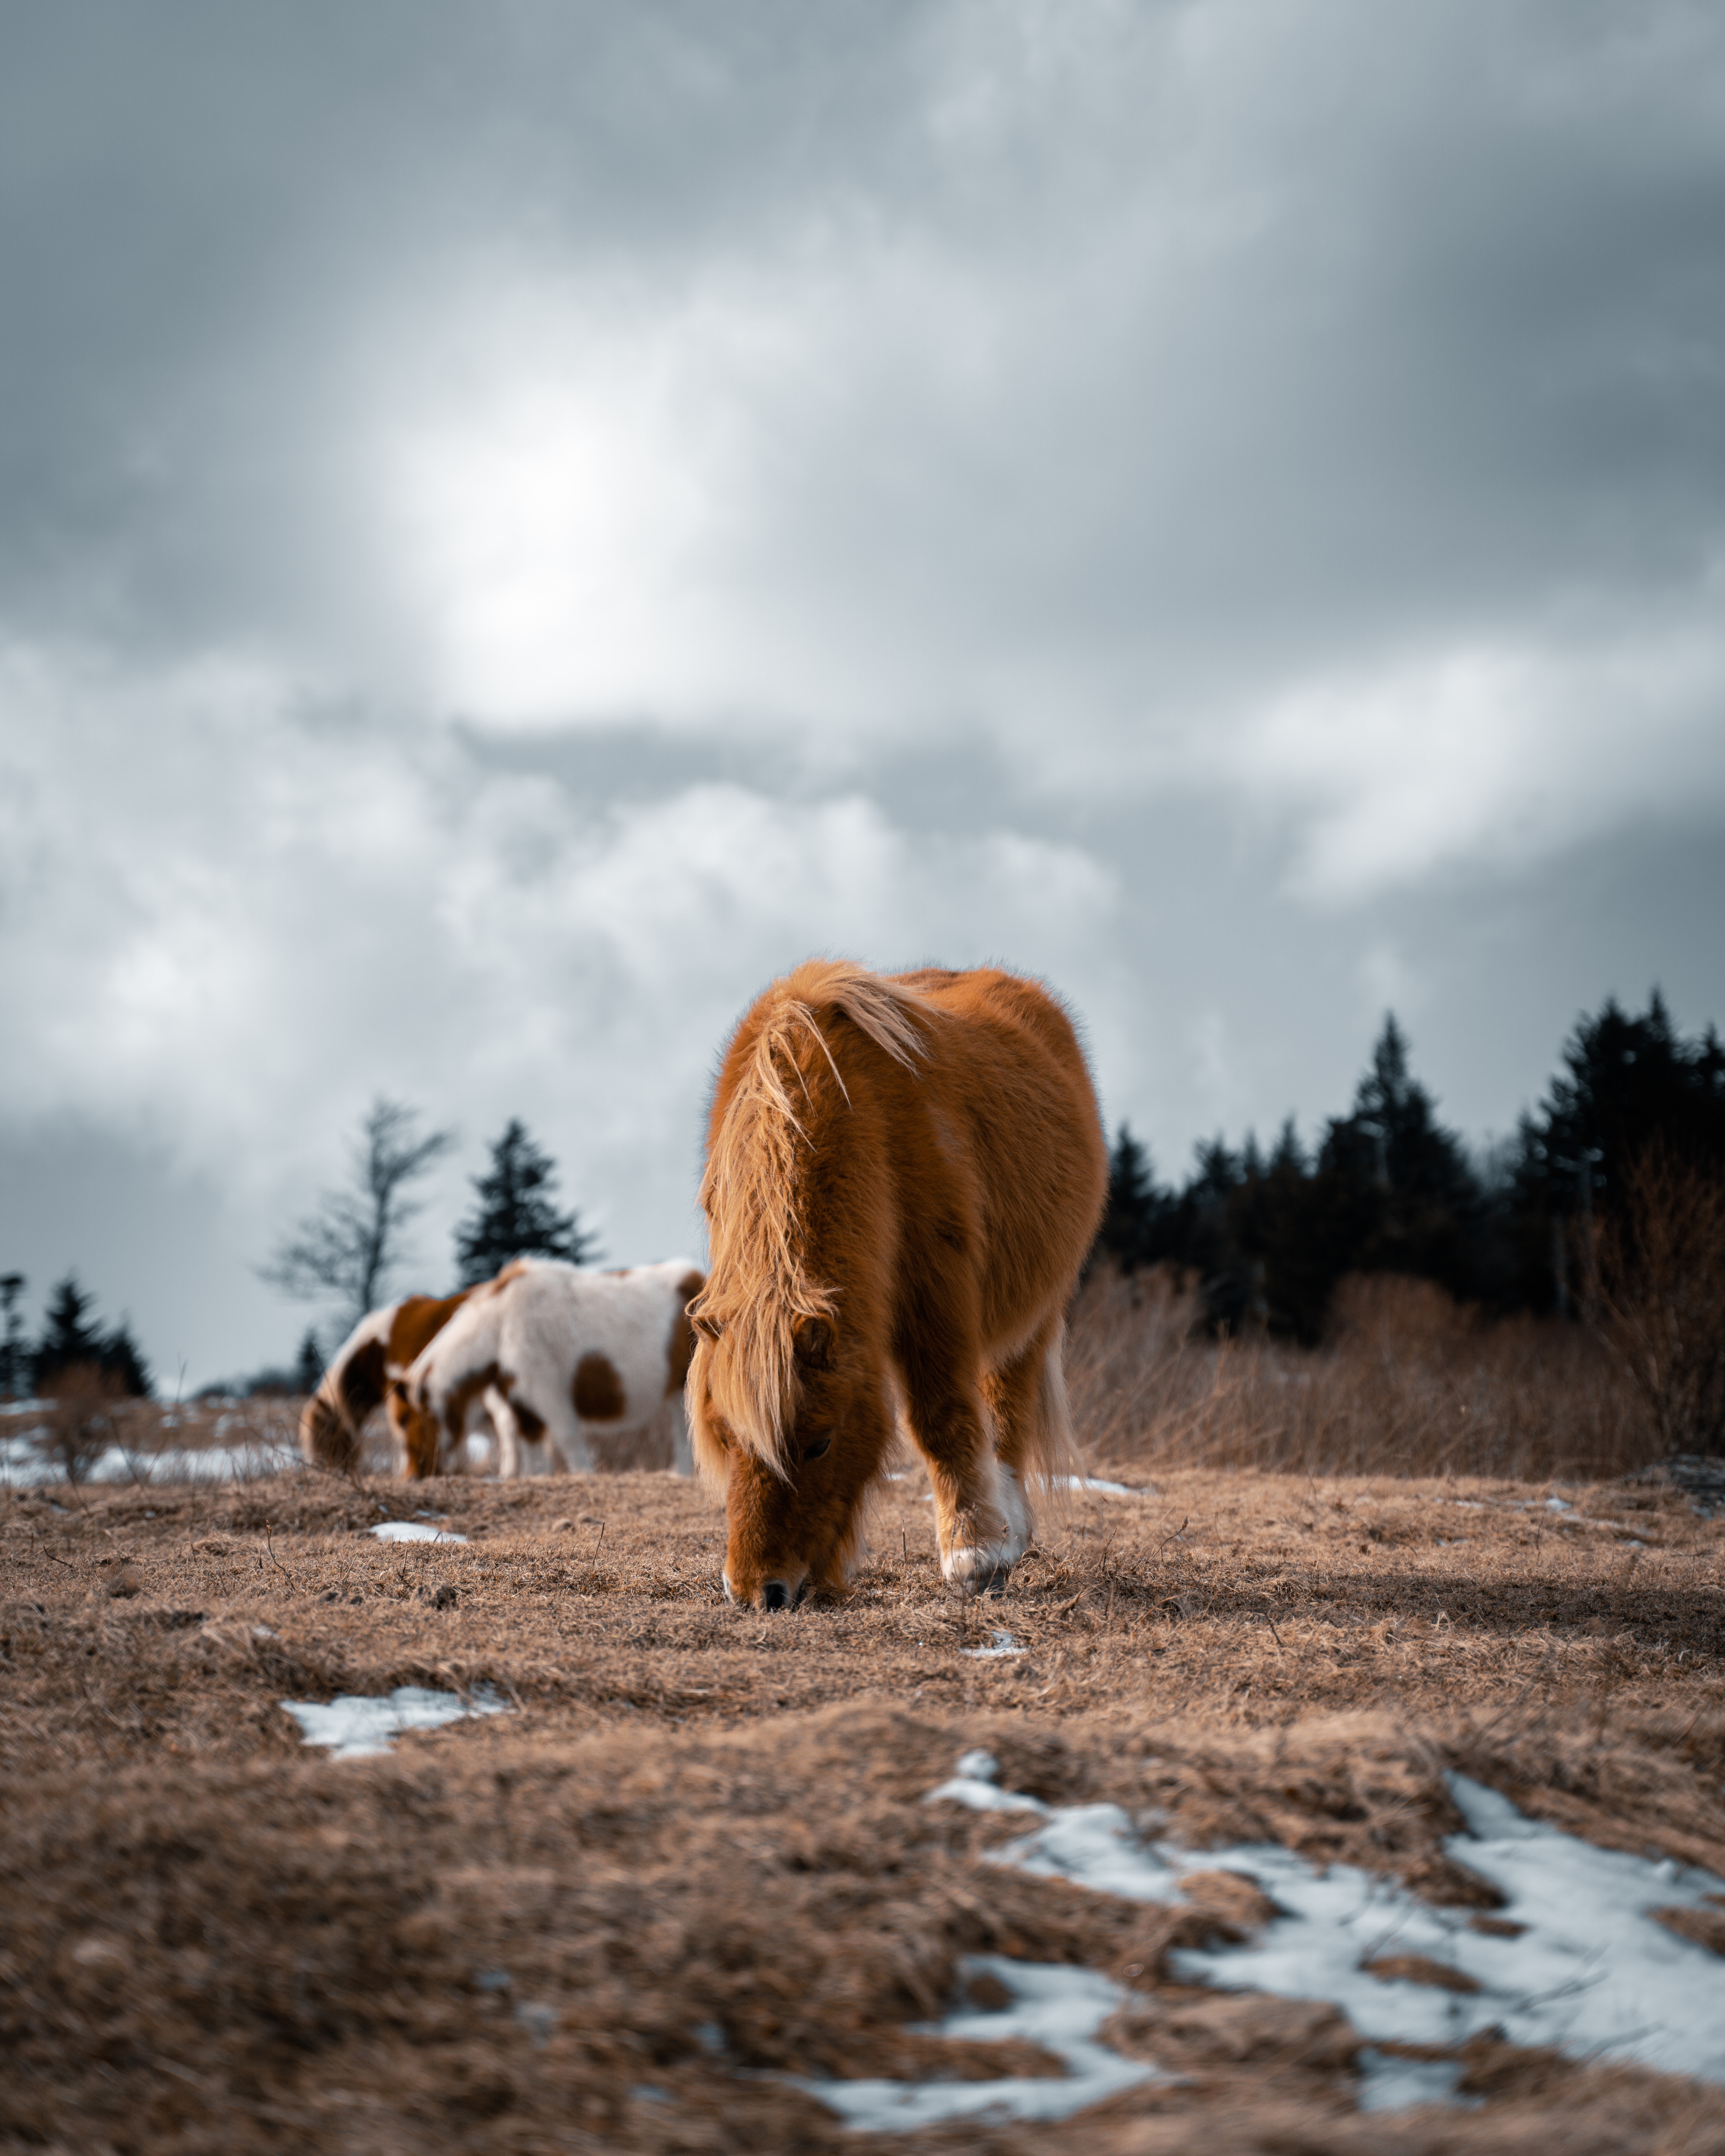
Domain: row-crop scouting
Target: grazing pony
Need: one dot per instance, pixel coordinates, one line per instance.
(379, 1348)
(904, 1174)
(558, 1355)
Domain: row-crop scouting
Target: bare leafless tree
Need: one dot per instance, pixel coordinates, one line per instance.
(344, 1251)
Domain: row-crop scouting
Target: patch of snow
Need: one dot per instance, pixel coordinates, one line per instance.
(1054, 2005)
(1558, 1504)
(413, 1531)
(1094, 1845)
(356, 1727)
(1591, 1974)
(1002, 1643)
(24, 1466)
(1092, 1482)
(1389, 2083)
(974, 1786)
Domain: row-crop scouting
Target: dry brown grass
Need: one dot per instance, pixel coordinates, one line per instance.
(1658, 1270)
(1409, 1383)
(700, 1823)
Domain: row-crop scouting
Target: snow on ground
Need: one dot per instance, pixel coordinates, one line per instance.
(414, 1531)
(1588, 1971)
(355, 1728)
(1054, 2005)
(24, 1466)
(1000, 1644)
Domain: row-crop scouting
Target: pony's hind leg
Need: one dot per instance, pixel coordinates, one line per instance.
(1033, 1425)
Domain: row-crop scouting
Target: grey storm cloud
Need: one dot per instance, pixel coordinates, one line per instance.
(516, 523)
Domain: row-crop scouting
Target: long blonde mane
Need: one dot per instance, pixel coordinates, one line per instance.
(758, 1285)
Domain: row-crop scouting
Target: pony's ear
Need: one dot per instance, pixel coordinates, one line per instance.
(813, 1343)
(709, 1328)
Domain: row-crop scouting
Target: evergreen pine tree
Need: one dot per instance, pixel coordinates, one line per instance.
(70, 1342)
(1127, 1232)
(515, 1217)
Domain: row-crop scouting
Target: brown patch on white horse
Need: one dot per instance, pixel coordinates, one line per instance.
(598, 1390)
(904, 1174)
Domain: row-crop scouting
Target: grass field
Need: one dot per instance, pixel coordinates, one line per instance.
(694, 1859)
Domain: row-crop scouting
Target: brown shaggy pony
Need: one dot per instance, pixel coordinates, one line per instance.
(379, 1348)
(903, 1176)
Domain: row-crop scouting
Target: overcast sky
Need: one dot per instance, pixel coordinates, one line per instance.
(519, 523)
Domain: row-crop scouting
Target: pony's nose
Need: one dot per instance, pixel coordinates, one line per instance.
(775, 1595)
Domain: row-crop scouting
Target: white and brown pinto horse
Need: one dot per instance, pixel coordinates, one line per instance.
(903, 1176)
(558, 1357)
(380, 1348)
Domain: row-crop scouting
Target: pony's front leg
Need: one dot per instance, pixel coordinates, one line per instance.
(981, 1518)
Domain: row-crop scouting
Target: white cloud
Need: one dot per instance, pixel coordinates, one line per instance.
(1493, 754)
(229, 924)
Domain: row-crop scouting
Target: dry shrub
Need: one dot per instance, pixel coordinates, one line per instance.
(1660, 1270)
(1408, 1383)
(84, 1418)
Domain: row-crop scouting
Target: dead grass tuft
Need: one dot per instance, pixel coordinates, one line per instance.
(1409, 1383)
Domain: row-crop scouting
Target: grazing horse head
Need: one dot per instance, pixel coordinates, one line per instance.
(417, 1432)
(903, 1177)
(788, 1405)
(794, 1514)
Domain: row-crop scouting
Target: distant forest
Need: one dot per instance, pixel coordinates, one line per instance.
(1264, 1236)
(1267, 1234)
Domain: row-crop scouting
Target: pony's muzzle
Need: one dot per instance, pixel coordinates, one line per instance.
(775, 1595)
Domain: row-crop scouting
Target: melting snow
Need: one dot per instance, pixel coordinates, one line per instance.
(974, 1785)
(24, 1464)
(414, 1531)
(1053, 2005)
(1591, 1974)
(1001, 1643)
(358, 1728)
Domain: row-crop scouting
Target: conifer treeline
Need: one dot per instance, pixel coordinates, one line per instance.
(1389, 1189)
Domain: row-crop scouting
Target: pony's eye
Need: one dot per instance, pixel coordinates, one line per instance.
(814, 1450)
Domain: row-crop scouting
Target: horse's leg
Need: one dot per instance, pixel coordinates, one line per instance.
(980, 1516)
(1026, 1400)
(568, 1440)
(672, 1417)
(509, 1436)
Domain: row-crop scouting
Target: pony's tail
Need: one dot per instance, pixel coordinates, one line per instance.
(351, 1387)
(1051, 1456)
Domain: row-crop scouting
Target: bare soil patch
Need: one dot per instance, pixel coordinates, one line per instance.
(694, 1857)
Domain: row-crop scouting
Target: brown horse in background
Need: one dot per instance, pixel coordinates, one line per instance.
(903, 1173)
